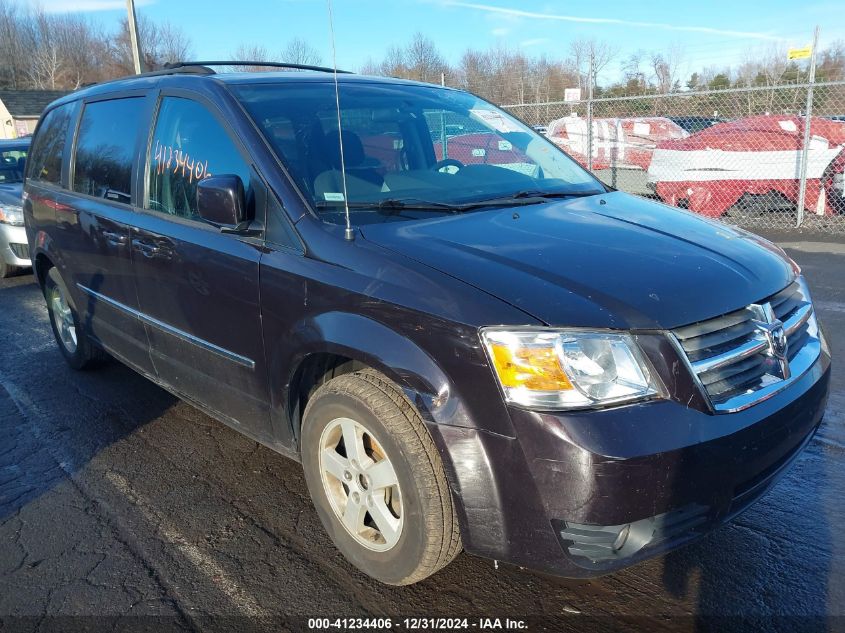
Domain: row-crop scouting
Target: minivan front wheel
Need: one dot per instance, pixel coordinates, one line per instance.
(377, 480)
(361, 485)
(74, 346)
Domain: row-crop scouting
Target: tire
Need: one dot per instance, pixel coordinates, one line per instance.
(76, 348)
(428, 537)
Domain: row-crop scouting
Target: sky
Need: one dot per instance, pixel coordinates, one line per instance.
(713, 33)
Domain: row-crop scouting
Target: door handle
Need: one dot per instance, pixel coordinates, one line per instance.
(147, 249)
(115, 239)
(154, 249)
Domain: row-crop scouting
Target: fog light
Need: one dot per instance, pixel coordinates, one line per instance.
(604, 546)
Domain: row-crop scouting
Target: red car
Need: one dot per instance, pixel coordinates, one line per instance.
(633, 140)
(752, 159)
(483, 148)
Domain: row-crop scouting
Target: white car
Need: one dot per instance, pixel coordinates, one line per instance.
(14, 249)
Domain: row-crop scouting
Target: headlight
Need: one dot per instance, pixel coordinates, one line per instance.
(11, 214)
(568, 369)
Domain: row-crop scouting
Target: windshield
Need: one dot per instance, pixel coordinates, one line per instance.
(12, 164)
(410, 151)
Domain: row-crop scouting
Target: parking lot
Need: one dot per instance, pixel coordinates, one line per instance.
(117, 499)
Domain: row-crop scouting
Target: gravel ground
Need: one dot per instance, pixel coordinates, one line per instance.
(118, 500)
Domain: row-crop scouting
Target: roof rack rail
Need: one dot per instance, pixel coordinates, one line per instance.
(189, 66)
(170, 69)
(202, 68)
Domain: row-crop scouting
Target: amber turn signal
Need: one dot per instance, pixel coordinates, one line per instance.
(534, 368)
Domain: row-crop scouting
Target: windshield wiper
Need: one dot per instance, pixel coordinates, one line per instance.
(392, 205)
(526, 197)
(536, 193)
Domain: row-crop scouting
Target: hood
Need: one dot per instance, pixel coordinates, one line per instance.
(11, 194)
(608, 261)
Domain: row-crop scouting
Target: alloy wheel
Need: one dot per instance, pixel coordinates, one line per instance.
(361, 484)
(63, 319)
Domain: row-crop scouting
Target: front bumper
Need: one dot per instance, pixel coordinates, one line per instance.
(583, 494)
(14, 247)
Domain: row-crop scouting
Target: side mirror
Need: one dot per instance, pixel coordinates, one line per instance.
(220, 200)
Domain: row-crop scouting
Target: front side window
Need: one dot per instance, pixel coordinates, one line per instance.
(45, 164)
(405, 147)
(12, 163)
(188, 145)
(105, 148)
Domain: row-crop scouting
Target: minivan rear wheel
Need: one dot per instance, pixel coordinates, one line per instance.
(377, 480)
(78, 351)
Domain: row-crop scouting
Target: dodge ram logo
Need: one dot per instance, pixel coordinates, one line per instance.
(778, 341)
(772, 329)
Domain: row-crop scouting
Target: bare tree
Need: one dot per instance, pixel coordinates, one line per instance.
(12, 61)
(45, 69)
(168, 44)
(424, 60)
(420, 60)
(665, 69)
(370, 67)
(48, 51)
(394, 64)
(474, 71)
(82, 45)
(510, 76)
(161, 44)
(252, 53)
(298, 51)
(585, 53)
(580, 57)
(634, 76)
(831, 62)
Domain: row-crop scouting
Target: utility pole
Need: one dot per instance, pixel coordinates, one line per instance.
(133, 36)
(808, 111)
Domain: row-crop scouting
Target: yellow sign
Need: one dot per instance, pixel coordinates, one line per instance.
(799, 53)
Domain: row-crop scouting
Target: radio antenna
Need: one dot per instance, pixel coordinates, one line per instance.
(349, 234)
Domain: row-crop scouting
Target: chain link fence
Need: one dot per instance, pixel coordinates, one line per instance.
(744, 155)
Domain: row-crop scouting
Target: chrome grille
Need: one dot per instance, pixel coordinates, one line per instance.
(745, 356)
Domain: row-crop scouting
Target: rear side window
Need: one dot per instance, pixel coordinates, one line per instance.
(45, 157)
(188, 145)
(105, 147)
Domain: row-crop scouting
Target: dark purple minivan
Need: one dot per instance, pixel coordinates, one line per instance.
(467, 340)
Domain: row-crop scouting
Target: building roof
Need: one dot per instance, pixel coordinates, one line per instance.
(29, 103)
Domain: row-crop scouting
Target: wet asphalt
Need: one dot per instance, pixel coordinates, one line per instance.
(116, 499)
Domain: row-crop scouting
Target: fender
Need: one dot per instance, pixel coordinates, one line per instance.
(363, 339)
(42, 245)
(472, 457)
